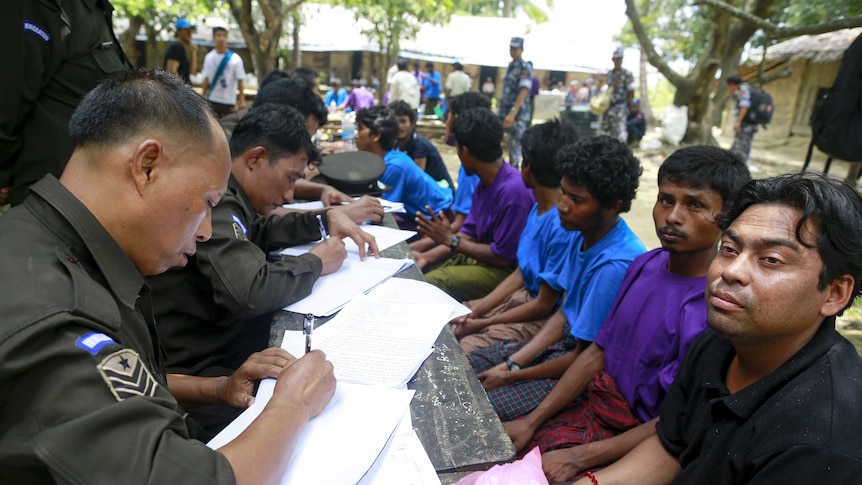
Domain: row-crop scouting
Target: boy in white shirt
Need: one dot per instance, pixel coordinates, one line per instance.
(222, 84)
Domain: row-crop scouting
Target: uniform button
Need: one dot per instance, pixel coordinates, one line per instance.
(717, 430)
(71, 259)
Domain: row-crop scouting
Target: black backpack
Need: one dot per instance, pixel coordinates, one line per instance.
(836, 123)
(760, 112)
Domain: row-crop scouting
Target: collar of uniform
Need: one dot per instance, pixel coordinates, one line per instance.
(120, 273)
(746, 401)
(234, 185)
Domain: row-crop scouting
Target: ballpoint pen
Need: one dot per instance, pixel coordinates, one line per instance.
(307, 329)
(323, 233)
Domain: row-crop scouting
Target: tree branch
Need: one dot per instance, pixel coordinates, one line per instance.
(783, 32)
(654, 58)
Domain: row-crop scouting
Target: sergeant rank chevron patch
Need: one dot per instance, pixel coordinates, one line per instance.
(126, 375)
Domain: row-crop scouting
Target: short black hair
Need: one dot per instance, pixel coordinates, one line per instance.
(429, 64)
(278, 128)
(734, 80)
(457, 66)
(832, 205)
(465, 101)
(219, 29)
(402, 64)
(141, 101)
(702, 166)
(292, 92)
(540, 145)
(307, 75)
(401, 108)
(481, 131)
(272, 76)
(380, 120)
(605, 167)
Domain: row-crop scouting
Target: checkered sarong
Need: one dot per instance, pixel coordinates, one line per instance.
(522, 397)
(601, 413)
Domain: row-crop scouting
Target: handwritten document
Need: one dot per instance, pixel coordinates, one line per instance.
(353, 429)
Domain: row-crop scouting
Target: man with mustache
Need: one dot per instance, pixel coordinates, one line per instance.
(770, 393)
(609, 398)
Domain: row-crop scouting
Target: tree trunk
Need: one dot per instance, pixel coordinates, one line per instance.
(297, 50)
(153, 57)
(646, 106)
(127, 38)
(507, 8)
(262, 45)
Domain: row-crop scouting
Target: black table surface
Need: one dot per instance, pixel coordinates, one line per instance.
(451, 412)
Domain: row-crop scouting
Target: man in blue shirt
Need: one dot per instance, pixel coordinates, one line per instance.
(431, 84)
(336, 95)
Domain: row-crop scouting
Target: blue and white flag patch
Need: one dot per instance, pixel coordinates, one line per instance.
(93, 342)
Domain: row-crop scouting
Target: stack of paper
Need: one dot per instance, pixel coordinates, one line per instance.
(353, 429)
(386, 237)
(388, 205)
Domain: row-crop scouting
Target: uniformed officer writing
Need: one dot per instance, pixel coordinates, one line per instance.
(82, 388)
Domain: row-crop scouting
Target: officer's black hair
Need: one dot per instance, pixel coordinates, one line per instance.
(141, 101)
(402, 64)
(465, 101)
(292, 92)
(605, 167)
(831, 206)
(278, 128)
(706, 167)
(401, 108)
(481, 131)
(380, 120)
(272, 76)
(309, 76)
(540, 145)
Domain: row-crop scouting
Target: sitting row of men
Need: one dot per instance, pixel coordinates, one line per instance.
(112, 362)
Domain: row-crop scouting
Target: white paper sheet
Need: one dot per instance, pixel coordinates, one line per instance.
(403, 461)
(386, 237)
(388, 205)
(355, 277)
(405, 290)
(351, 431)
(380, 342)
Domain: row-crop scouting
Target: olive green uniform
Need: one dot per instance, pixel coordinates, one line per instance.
(82, 388)
(58, 57)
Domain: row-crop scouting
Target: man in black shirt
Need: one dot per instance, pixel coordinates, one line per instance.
(771, 393)
(176, 60)
(420, 149)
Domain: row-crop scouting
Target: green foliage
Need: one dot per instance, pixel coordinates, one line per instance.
(161, 14)
(495, 8)
(795, 13)
(660, 95)
(677, 28)
(395, 20)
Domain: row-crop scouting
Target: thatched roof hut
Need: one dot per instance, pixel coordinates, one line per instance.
(812, 62)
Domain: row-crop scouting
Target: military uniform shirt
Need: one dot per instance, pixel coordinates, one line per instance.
(620, 80)
(203, 310)
(58, 57)
(82, 393)
(519, 75)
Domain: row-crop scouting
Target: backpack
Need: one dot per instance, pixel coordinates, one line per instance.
(760, 112)
(836, 123)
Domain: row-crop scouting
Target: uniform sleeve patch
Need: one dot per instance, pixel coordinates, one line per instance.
(239, 229)
(93, 342)
(126, 375)
(39, 31)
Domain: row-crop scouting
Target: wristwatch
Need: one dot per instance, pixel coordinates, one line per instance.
(513, 366)
(454, 242)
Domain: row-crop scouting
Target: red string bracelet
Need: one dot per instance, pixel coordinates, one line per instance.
(592, 477)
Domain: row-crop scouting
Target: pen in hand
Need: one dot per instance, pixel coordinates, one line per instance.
(307, 329)
(323, 233)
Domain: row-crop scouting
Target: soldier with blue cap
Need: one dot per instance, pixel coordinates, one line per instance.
(514, 108)
(620, 81)
(177, 60)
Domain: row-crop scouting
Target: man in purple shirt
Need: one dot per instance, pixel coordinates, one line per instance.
(608, 400)
(360, 97)
(476, 259)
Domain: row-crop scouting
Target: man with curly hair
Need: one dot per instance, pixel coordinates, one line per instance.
(599, 180)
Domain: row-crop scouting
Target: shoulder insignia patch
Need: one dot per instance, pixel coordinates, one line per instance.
(126, 375)
(239, 229)
(36, 29)
(93, 342)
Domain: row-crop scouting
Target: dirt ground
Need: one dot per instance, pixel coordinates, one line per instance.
(769, 157)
